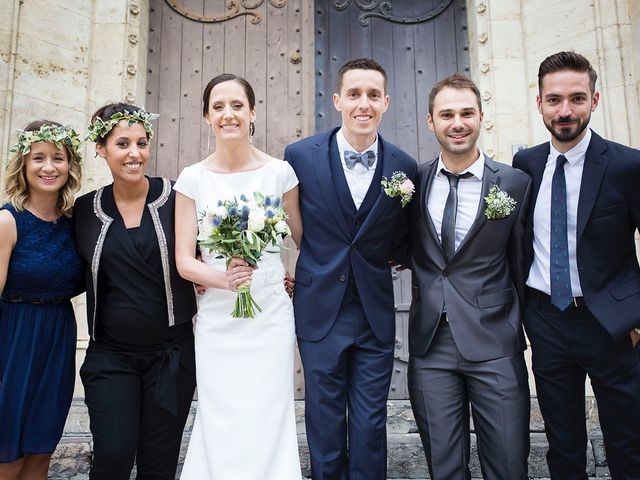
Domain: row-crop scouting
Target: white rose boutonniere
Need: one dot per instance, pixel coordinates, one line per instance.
(399, 186)
(498, 204)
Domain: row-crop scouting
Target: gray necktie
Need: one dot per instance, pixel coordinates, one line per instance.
(448, 228)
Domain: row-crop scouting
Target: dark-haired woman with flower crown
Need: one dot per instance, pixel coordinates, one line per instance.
(245, 424)
(139, 371)
(40, 271)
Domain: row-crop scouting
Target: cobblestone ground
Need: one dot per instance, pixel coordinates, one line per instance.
(406, 457)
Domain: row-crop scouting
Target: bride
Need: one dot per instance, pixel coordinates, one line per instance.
(245, 424)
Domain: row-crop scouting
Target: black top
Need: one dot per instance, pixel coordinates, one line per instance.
(132, 303)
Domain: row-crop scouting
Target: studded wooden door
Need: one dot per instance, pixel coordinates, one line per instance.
(417, 43)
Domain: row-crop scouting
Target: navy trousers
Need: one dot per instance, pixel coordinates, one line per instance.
(347, 377)
(567, 346)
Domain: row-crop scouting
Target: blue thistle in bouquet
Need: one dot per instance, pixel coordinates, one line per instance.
(242, 228)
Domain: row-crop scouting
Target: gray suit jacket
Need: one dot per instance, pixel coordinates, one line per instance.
(483, 284)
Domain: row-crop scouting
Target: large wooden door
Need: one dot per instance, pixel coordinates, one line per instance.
(417, 43)
(191, 41)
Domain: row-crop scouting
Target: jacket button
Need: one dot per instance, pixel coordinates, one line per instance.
(343, 278)
(445, 273)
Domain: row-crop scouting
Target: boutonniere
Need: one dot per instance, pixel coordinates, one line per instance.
(399, 186)
(498, 204)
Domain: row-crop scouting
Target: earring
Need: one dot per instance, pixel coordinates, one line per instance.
(208, 139)
(252, 130)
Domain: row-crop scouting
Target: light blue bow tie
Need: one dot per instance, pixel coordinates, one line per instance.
(367, 158)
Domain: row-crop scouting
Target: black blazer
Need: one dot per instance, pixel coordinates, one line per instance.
(608, 217)
(481, 285)
(91, 227)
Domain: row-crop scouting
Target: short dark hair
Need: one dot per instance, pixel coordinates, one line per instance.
(566, 61)
(105, 113)
(457, 81)
(360, 64)
(225, 77)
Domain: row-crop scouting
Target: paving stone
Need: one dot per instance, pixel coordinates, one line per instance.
(406, 459)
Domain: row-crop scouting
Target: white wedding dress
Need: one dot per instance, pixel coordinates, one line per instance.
(245, 423)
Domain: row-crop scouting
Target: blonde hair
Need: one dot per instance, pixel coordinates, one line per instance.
(16, 188)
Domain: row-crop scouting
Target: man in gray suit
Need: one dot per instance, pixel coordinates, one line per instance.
(465, 334)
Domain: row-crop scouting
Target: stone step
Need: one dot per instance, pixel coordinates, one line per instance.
(405, 460)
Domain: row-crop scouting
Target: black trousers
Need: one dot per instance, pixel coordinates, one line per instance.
(567, 346)
(138, 404)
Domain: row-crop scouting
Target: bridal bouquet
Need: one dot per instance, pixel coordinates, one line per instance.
(243, 229)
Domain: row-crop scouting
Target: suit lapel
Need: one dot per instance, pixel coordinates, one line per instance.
(425, 188)
(490, 178)
(389, 165)
(537, 171)
(595, 164)
(322, 167)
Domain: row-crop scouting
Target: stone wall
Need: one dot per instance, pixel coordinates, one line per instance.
(60, 60)
(509, 39)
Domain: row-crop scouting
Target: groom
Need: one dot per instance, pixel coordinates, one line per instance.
(343, 301)
(465, 334)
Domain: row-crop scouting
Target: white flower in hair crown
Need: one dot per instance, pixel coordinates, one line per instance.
(60, 136)
(499, 204)
(101, 128)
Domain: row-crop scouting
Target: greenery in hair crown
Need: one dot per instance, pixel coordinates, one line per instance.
(101, 128)
(60, 136)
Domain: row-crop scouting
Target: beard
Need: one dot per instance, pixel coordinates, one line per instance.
(567, 134)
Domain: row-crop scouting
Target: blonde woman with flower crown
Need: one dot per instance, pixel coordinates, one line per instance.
(40, 270)
(139, 371)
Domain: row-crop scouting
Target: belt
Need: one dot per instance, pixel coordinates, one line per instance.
(544, 298)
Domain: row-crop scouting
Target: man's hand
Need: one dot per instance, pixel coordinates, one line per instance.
(635, 338)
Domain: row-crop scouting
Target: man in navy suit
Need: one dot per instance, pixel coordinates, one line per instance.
(343, 302)
(583, 309)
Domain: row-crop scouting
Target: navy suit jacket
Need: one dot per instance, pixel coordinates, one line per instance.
(608, 217)
(332, 249)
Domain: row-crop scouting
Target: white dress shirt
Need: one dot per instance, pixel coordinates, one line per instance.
(359, 177)
(469, 192)
(540, 268)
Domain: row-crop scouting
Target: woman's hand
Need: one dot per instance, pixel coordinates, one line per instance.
(238, 273)
(289, 284)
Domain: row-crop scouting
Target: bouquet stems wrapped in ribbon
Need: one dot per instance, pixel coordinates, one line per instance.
(243, 229)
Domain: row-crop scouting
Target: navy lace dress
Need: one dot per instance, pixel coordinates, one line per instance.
(37, 336)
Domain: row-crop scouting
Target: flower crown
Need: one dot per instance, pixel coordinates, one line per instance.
(100, 128)
(60, 136)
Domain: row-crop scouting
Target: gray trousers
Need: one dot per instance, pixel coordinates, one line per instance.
(442, 385)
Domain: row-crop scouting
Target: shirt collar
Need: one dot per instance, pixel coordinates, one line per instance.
(476, 168)
(344, 145)
(576, 153)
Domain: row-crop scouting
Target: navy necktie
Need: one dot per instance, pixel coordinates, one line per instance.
(448, 227)
(367, 158)
(560, 275)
